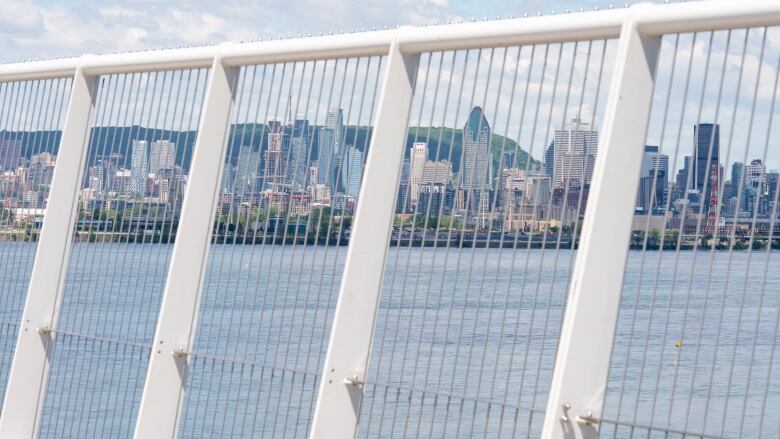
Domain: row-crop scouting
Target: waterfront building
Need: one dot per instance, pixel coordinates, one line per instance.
(737, 176)
(521, 191)
(418, 156)
(43, 159)
(121, 182)
(41, 168)
(435, 199)
(274, 163)
(437, 172)
(706, 153)
(162, 155)
(403, 199)
(10, 153)
(423, 171)
(297, 162)
(682, 183)
(652, 175)
(353, 170)
(507, 161)
(139, 168)
(549, 160)
(755, 177)
(574, 153)
(476, 166)
(300, 204)
(320, 193)
(330, 142)
(247, 166)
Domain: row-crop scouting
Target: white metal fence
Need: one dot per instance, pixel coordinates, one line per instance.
(374, 234)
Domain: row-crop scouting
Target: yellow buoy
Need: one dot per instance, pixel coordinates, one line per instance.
(678, 344)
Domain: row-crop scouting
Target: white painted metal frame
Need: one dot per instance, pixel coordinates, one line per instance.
(167, 372)
(584, 350)
(338, 402)
(30, 368)
(582, 365)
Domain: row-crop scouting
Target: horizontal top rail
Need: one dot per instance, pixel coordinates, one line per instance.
(651, 19)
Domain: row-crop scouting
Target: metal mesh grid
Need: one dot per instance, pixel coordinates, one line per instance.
(299, 137)
(31, 117)
(478, 270)
(695, 345)
(141, 139)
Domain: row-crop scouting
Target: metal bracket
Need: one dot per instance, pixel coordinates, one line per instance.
(180, 352)
(354, 381)
(588, 419)
(565, 407)
(44, 330)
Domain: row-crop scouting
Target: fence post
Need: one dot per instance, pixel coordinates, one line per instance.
(29, 373)
(167, 372)
(338, 402)
(582, 364)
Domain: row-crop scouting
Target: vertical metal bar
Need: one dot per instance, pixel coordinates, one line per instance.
(338, 403)
(582, 364)
(165, 378)
(29, 371)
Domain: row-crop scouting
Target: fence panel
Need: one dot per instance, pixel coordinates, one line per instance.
(139, 150)
(499, 153)
(296, 150)
(31, 118)
(696, 341)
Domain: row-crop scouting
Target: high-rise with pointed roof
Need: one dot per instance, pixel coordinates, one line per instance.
(476, 166)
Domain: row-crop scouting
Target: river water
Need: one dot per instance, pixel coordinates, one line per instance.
(464, 344)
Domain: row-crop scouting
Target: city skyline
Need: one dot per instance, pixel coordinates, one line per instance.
(479, 188)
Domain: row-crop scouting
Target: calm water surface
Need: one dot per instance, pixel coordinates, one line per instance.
(481, 324)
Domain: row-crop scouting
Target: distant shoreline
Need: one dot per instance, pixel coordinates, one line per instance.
(454, 242)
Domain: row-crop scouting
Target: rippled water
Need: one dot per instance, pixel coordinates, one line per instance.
(483, 327)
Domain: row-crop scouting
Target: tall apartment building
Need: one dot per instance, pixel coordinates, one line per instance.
(162, 155)
(575, 146)
(139, 168)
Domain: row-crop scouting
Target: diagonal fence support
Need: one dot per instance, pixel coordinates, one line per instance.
(341, 389)
(34, 348)
(167, 372)
(582, 364)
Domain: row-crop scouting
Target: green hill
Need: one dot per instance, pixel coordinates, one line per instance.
(443, 143)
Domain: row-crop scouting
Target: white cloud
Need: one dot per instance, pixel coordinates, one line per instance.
(19, 16)
(32, 28)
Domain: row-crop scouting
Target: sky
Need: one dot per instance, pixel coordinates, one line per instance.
(53, 28)
(31, 29)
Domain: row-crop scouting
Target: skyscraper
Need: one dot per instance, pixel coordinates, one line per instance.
(574, 154)
(755, 177)
(682, 183)
(353, 170)
(274, 164)
(139, 168)
(653, 172)
(706, 152)
(402, 202)
(297, 163)
(162, 155)
(507, 161)
(10, 153)
(737, 174)
(247, 166)
(330, 141)
(418, 156)
(476, 165)
(549, 160)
